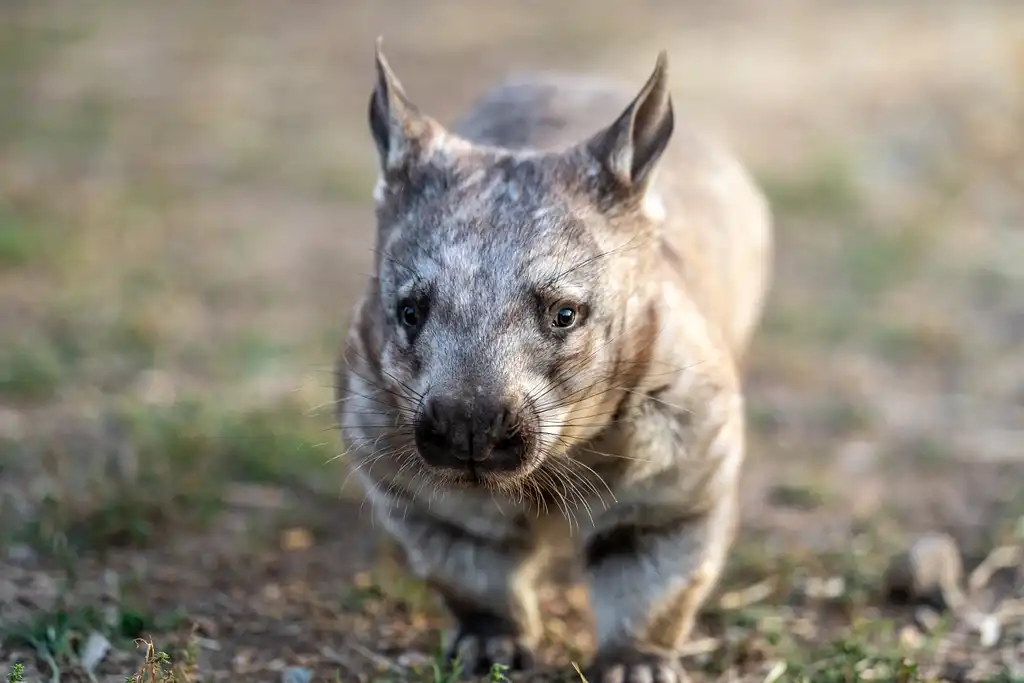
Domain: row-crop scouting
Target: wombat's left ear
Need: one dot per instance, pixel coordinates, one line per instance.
(629, 149)
(400, 131)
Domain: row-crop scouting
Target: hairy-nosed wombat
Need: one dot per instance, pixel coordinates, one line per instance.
(564, 284)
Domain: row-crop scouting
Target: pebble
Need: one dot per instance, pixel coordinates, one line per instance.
(928, 571)
(911, 638)
(19, 553)
(296, 674)
(94, 650)
(927, 619)
(824, 589)
(989, 631)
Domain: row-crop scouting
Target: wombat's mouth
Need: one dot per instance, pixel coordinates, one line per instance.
(480, 475)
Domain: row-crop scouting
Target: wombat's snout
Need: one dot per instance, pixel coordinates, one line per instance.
(486, 434)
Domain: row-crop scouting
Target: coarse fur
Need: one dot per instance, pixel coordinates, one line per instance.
(566, 281)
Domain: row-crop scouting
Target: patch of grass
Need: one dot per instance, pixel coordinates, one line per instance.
(802, 497)
(929, 453)
(57, 636)
(829, 323)
(254, 353)
(750, 561)
(21, 238)
(390, 583)
(171, 466)
(26, 47)
(874, 262)
(826, 185)
(159, 667)
(850, 660)
(904, 342)
(439, 670)
(352, 182)
(280, 444)
(84, 127)
(841, 415)
(16, 674)
(30, 370)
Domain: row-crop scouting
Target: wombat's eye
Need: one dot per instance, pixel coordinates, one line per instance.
(409, 313)
(565, 316)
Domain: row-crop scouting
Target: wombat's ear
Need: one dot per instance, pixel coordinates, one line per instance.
(629, 149)
(399, 130)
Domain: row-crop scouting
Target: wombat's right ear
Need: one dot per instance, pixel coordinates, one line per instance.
(399, 130)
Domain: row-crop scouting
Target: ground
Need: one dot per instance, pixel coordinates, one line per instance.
(184, 222)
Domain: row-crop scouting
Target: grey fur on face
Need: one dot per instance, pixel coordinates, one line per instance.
(501, 279)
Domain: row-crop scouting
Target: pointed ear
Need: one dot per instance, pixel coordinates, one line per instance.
(400, 132)
(630, 148)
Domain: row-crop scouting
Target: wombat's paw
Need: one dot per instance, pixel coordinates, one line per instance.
(483, 641)
(633, 666)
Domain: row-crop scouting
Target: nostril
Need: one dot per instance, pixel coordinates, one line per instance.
(508, 431)
(431, 414)
(430, 427)
(505, 421)
(509, 442)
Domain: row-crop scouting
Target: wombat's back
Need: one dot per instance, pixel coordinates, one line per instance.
(717, 234)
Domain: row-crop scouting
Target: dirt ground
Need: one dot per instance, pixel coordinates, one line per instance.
(184, 222)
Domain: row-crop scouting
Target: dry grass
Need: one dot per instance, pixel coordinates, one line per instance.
(184, 223)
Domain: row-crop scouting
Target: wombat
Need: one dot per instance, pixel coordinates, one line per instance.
(565, 283)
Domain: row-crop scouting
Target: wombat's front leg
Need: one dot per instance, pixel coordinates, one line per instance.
(485, 576)
(647, 580)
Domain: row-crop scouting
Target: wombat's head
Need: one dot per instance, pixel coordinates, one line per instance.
(510, 321)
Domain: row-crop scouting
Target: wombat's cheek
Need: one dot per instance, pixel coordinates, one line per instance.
(546, 424)
(402, 376)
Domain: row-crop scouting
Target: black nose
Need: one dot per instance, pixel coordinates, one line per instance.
(482, 434)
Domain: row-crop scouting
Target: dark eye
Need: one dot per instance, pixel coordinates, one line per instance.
(565, 316)
(409, 313)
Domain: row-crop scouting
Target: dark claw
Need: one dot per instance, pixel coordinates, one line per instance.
(476, 655)
(483, 641)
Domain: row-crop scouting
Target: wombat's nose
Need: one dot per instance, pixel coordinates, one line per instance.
(482, 434)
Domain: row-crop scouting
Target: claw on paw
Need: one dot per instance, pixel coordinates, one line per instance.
(636, 667)
(475, 654)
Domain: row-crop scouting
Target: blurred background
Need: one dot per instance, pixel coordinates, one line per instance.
(185, 221)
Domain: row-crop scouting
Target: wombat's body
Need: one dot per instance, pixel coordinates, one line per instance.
(566, 282)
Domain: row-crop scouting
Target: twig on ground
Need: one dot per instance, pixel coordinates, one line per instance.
(747, 596)
(700, 647)
(378, 659)
(1002, 557)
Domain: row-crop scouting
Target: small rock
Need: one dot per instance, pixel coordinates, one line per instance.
(255, 496)
(911, 638)
(927, 619)
(296, 538)
(930, 571)
(989, 631)
(94, 650)
(413, 660)
(296, 674)
(207, 643)
(19, 553)
(824, 589)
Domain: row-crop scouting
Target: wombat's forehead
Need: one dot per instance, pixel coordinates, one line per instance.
(490, 255)
(503, 234)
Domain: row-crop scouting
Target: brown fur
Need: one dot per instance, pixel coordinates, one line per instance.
(622, 431)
